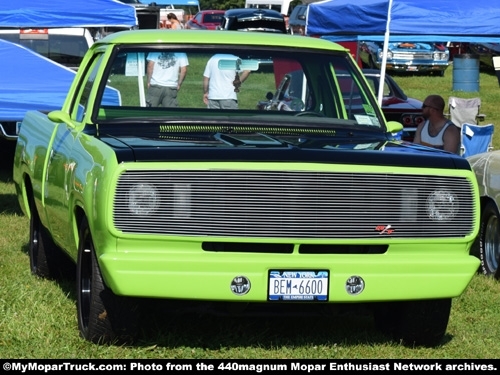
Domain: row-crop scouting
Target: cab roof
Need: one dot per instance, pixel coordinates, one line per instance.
(207, 37)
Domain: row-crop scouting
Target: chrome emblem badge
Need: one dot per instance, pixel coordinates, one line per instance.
(240, 285)
(354, 285)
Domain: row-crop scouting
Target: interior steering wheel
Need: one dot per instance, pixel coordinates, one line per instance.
(310, 113)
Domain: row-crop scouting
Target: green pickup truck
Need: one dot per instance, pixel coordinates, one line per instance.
(293, 197)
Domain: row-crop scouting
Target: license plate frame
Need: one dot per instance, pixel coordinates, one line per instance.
(298, 285)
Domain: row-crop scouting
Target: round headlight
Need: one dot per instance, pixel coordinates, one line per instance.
(143, 199)
(442, 205)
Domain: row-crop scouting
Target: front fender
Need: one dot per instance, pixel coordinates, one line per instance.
(89, 191)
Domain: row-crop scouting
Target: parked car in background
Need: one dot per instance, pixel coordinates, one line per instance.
(253, 19)
(486, 52)
(315, 207)
(415, 57)
(297, 20)
(205, 20)
(66, 46)
(487, 245)
(396, 105)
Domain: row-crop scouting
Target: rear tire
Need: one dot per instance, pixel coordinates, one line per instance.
(103, 317)
(489, 241)
(414, 323)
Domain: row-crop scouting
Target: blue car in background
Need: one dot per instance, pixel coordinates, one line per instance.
(406, 56)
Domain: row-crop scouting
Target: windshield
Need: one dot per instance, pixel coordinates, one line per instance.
(167, 82)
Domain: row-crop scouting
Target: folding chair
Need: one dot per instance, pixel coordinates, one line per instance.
(476, 139)
(463, 111)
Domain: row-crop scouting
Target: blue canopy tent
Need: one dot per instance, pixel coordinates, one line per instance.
(66, 13)
(33, 82)
(418, 20)
(30, 81)
(404, 20)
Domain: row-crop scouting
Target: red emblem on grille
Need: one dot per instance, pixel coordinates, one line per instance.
(384, 229)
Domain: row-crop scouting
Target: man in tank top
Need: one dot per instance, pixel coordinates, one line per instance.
(437, 131)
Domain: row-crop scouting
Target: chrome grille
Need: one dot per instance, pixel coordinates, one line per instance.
(292, 204)
(412, 56)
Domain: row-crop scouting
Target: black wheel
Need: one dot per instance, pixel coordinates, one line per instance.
(386, 316)
(489, 241)
(43, 253)
(414, 323)
(103, 317)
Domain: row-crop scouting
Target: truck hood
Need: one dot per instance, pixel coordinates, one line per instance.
(345, 148)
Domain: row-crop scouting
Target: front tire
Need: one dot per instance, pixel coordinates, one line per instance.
(489, 241)
(103, 317)
(414, 323)
(43, 253)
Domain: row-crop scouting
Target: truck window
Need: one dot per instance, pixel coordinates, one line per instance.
(81, 103)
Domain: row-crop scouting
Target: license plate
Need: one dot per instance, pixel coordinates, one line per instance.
(297, 285)
(412, 68)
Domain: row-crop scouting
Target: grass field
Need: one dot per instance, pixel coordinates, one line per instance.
(38, 317)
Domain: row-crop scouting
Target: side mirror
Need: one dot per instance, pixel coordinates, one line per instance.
(394, 127)
(60, 117)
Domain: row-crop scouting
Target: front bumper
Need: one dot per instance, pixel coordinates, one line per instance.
(182, 270)
(415, 67)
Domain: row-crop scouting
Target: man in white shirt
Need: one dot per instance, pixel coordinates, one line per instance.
(220, 87)
(165, 73)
